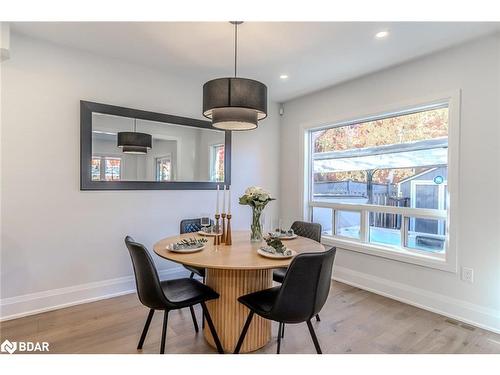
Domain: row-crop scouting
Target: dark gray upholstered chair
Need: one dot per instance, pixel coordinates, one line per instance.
(300, 297)
(167, 295)
(303, 229)
(192, 226)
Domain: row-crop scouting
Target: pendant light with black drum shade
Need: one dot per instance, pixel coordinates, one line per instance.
(235, 103)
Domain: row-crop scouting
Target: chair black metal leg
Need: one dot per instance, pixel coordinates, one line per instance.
(317, 318)
(212, 328)
(194, 319)
(314, 338)
(243, 333)
(145, 330)
(202, 314)
(279, 338)
(283, 331)
(164, 332)
(192, 275)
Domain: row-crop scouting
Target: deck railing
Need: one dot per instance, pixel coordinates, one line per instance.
(365, 210)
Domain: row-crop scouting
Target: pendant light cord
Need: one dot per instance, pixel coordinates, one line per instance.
(135, 125)
(235, 47)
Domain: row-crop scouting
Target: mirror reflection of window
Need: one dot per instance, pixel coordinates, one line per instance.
(113, 169)
(217, 163)
(110, 172)
(96, 169)
(164, 168)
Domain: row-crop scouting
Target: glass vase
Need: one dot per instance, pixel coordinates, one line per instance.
(256, 226)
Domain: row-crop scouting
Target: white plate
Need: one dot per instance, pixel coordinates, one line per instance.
(288, 237)
(185, 251)
(202, 233)
(276, 256)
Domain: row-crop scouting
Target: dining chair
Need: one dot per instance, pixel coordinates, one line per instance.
(191, 226)
(167, 295)
(300, 297)
(303, 229)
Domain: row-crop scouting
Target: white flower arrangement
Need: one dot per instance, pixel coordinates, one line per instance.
(256, 196)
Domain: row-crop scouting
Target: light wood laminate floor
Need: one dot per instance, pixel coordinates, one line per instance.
(353, 321)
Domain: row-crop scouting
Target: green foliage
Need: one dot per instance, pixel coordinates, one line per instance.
(276, 243)
(191, 241)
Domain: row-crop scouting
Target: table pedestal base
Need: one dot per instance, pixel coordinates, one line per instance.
(229, 315)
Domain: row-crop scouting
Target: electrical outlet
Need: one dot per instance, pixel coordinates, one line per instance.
(468, 275)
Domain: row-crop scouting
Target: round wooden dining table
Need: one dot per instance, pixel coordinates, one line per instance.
(232, 271)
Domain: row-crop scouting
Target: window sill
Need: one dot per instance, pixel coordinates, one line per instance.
(398, 254)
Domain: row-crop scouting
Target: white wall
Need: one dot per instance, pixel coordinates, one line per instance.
(61, 245)
(475, 69)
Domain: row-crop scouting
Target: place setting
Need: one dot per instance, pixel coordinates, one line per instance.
(220, 230)
(188, 245)
(283, 234)
(275, 249)
(208, 228)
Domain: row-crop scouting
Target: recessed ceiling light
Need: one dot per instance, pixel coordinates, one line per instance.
(382, 34)
(284, 76)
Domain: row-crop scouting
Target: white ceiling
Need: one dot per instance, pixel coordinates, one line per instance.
(313, 55)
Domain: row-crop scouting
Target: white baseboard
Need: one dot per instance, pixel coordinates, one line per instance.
(35, 303)
(464, 311)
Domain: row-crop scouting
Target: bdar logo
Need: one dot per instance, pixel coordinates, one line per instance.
(24, 346)
(9, 347)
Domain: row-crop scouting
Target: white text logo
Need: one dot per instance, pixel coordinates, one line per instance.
(24, 346)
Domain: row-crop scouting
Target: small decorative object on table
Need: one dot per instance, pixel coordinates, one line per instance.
(207, 231)
(217, 230)
(188, 245)
(225, 234)
(284, 234)
(275, 249)
(229, 239)
(277, 245)
(257, 198)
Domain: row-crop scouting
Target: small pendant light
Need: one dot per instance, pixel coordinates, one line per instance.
(235, 103)
(133, 142)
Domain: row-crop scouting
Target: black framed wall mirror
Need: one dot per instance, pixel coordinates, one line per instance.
(182, 153)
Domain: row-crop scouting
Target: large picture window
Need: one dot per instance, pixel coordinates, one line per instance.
(383, 182)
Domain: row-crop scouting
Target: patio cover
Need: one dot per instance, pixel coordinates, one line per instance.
(407, 155)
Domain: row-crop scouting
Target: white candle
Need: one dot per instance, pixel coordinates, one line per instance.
(217, 206)
(224, 200)
(229, 200)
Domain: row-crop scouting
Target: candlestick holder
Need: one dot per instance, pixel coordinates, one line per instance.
(223, 235)
(217, 230)
(229, 240)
